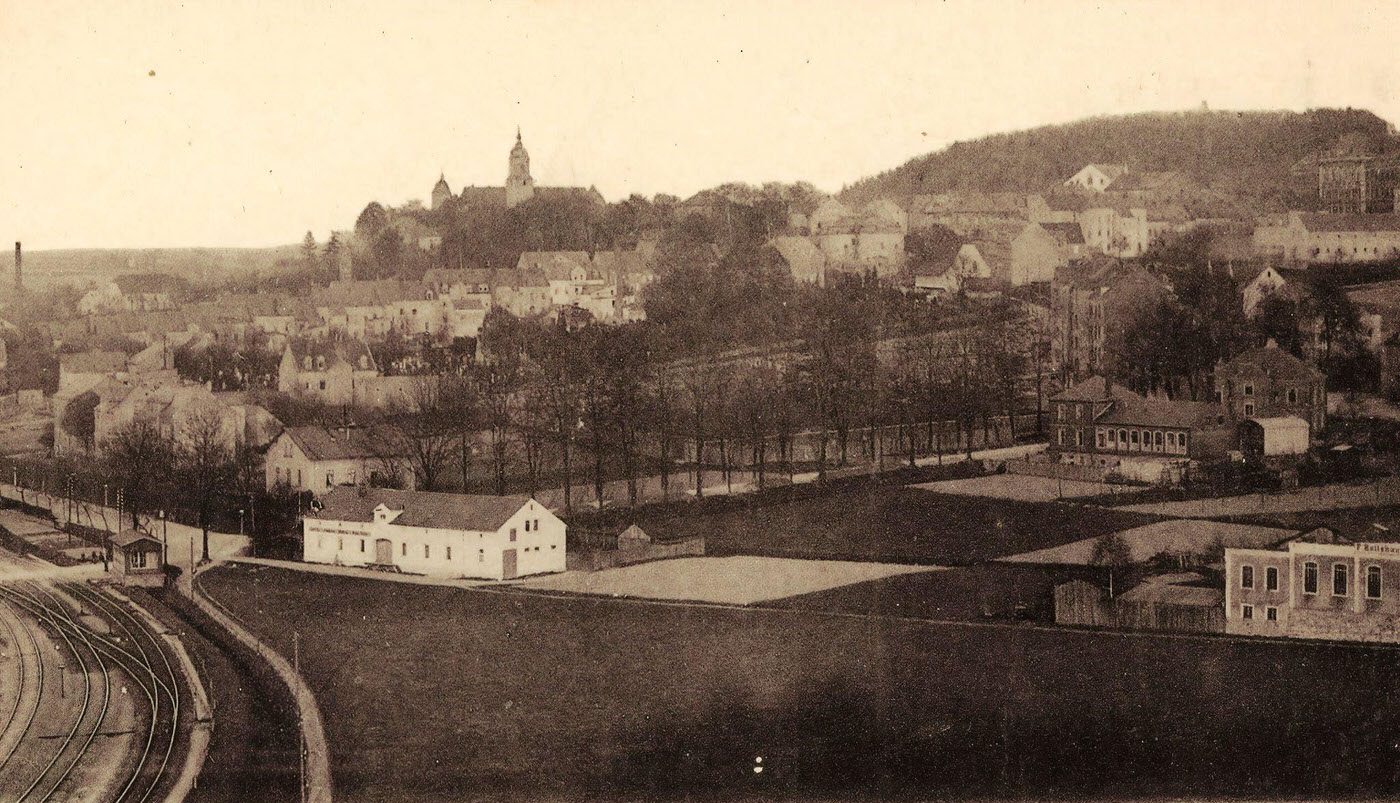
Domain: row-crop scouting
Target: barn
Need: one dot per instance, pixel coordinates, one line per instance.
(434, 534)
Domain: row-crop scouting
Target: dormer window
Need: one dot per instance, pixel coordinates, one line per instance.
(306, 363)
(320, 362)
(1249, 390)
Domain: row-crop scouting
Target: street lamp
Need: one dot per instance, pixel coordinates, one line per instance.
(240, 521)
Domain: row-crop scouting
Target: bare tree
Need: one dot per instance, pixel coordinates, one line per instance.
(429, 428)
(206, 460)
(138, 456)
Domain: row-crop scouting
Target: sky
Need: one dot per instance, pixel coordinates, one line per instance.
(145, 124)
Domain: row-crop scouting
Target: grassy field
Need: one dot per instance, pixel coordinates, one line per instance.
(988, 591)
(897, 525)
(448, 694)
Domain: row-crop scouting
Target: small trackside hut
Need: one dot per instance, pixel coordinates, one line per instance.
(138, 559)
(435, 534)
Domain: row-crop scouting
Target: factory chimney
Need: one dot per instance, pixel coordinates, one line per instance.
(19, 266)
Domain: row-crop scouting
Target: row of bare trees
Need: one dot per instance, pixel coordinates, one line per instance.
(547, 405)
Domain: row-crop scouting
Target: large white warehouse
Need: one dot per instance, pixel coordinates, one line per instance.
(436, 534)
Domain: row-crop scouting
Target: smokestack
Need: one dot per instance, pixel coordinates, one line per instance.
(19, 266)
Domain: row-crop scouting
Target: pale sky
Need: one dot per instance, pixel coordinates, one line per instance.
(264, 119)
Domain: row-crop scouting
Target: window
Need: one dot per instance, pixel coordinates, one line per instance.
(1271, 579)
(1060, 411)
(1246, 577)
(481, 556)
(1249, 390)
(1373, 582)
(1309, 578)
(1249, 408)
(1339, 579)
(449, 553)
(404, 550)
(1101, 440)
(1078, 438)
(287, 448)
(527, 525)
(1271, 614)
(351, 478)
(339, 544)
(138, 560)
(1060, 436)
(1123, 437)
(1292, 396)
(537, 525)
(362, 545)
(427, 551)
(1247, 611)
(1171, 440)
(323, 384)
(512, 534)
(1133, 435)
(330, 478)
(1157, 439)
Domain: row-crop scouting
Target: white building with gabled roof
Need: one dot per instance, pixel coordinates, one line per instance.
(435, 534)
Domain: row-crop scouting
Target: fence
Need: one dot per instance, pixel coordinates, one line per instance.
(1060, 471)
(1086, 605)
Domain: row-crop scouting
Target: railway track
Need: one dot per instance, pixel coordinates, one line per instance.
(129, 650)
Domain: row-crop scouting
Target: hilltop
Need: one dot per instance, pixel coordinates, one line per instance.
(1262, 159)
(75, 265)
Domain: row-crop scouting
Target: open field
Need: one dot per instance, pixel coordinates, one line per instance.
(737, 580)
(1338, 496)
(448, 694)
(895, 525)
(1186, 536)
(985, 592)
(1021, 487)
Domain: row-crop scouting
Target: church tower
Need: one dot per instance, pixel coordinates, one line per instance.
(441, 192)
(519, 186)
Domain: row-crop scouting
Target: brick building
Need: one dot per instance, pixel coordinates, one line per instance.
(1318, 585)
(1268, 382)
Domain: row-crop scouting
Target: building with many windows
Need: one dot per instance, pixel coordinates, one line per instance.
(320, 459)
(1319, 585)
(1268, 382)
(1106, 426)
(1358, 184)
(435, 534)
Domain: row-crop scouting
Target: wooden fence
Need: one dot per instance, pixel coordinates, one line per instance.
(1086, 605)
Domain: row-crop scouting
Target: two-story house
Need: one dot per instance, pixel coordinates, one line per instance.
(325, 369)
(1268, 382)
(1106, 426)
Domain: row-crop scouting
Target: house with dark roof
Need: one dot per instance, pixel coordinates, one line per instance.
(320, 459)
(1099, 424)
(1268, 382)
(326, 369)
(434, 534)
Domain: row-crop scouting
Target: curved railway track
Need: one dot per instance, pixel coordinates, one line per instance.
(130, 648)
(19, 693)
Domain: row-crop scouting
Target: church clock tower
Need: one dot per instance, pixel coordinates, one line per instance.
(519, 186)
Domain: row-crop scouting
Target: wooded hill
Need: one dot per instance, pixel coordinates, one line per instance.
(1253, 157)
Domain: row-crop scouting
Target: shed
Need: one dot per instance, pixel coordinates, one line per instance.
(139, 559)
(1272, 437)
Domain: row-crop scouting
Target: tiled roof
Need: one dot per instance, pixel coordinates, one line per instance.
(1272, 361)
(1066, 233)
(126, 538)
(1162, 413)
(1095, 388)
(474, 513)
(556, 265)
(331, 351)
(352, 443)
